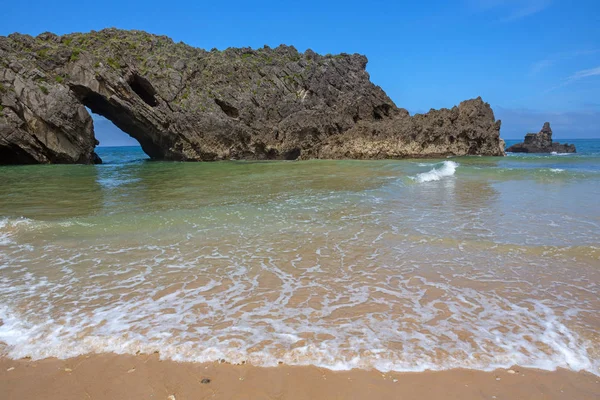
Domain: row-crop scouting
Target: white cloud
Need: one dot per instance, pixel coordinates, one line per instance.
(553, 59)
(510, 10)
(527, 8)
(541, 65)
(584, 74)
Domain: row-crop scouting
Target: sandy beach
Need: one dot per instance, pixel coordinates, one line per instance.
(109, 376)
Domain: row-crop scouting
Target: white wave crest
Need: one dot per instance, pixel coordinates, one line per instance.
(448, 168)
(9, 226)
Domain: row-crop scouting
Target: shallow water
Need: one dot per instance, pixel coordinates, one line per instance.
(475, 262)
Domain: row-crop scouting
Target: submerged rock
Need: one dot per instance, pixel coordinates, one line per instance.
(188, 104)
(541, 142)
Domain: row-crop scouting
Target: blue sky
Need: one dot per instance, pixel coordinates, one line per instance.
(532, 60)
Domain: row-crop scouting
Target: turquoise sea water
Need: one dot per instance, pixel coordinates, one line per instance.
(474, 262)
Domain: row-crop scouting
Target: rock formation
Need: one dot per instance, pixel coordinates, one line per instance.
(541, 142)
(184, 103)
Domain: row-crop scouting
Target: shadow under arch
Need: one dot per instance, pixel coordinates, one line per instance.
(122, 117)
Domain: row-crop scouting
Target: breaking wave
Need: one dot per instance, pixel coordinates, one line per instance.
(448, 168)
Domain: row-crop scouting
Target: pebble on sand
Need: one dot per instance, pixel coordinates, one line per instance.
(10, 369)
(510, 371)
(68, 370)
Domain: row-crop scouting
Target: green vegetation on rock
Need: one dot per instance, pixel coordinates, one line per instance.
(75, 54)
(113, 63)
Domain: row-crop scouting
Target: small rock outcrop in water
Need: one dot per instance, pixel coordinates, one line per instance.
(184, 103)
(541, 143)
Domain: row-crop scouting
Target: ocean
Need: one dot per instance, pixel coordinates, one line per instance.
(398, 265)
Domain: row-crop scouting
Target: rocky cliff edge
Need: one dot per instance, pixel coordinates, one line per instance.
(188, 104)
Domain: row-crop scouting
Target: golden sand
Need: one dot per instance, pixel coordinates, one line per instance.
(109, 376)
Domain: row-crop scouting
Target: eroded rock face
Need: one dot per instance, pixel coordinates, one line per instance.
(541, 142)
(41, 123)
(184, 103)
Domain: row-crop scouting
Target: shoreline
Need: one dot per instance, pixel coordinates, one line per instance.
(143, 376)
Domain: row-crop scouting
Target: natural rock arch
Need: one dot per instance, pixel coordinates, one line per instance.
(122, 111)
(188, 104)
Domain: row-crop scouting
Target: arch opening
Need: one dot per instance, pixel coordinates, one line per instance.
(120, 117)
(108, 134)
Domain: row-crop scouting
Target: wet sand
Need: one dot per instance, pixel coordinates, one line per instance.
(109, 376)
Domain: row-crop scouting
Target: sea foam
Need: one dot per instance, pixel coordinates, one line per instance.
(398, 277)
(448, 168)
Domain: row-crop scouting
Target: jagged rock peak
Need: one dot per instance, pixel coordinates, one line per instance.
(185, 103)
(541, 142)
(546, 129)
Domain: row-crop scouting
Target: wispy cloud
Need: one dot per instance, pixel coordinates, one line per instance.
(527, 8)
(511, 10)
(584, 74)
(553, 59)
(577, 76)
(537, 67)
